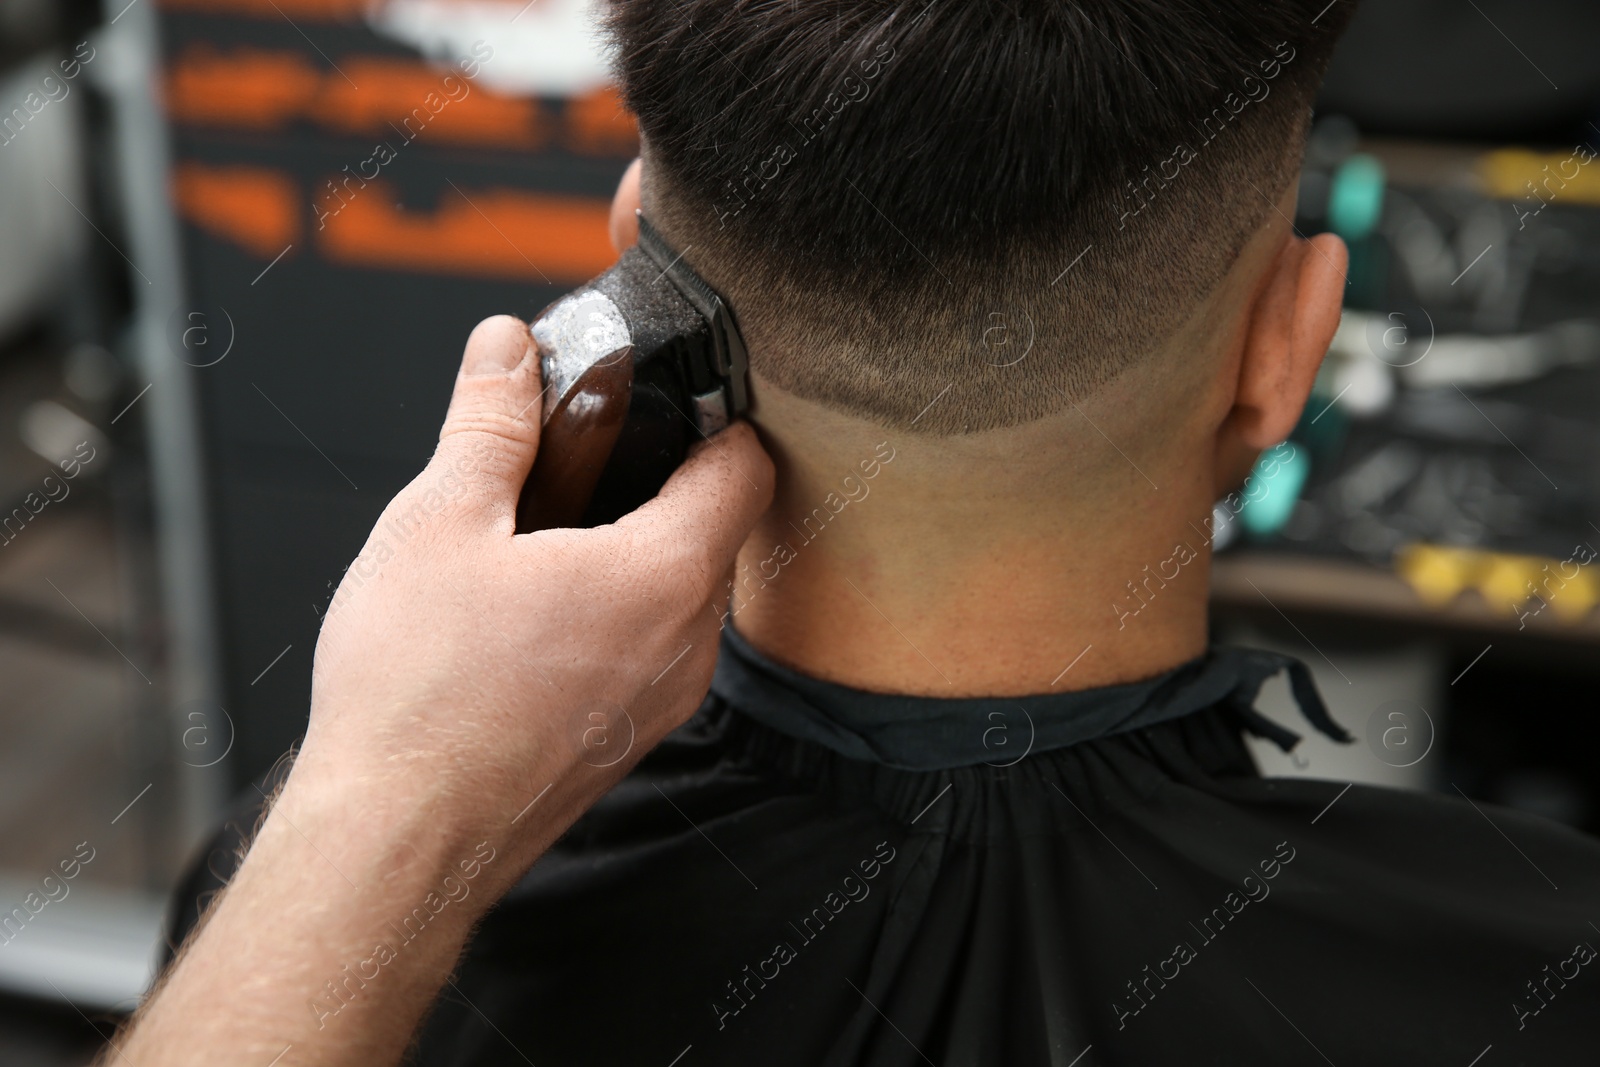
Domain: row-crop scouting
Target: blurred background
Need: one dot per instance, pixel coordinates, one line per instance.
(242, 242)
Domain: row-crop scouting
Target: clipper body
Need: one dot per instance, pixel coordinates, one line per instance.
(638, 365)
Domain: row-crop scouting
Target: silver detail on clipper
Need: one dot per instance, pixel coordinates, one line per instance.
(711, 412)
(577, 332)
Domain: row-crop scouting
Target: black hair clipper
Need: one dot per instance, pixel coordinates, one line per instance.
(638, 365)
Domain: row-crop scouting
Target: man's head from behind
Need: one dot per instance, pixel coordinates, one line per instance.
(961, 215)
(1039, 251)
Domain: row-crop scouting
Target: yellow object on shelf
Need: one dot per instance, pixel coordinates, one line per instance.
(1437, 573)
(1518, 586)
(1577, 598)
(1515, 173)
(1507, 581)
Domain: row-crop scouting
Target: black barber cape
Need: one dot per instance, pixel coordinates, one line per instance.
(806, 875)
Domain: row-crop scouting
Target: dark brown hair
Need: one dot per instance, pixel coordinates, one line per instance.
(879, 186)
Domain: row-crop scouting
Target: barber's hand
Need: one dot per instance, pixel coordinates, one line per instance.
(464, 670)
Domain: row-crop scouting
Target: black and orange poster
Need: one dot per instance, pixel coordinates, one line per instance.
(358, 183)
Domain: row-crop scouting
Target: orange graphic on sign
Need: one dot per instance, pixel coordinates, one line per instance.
(252, 206)
(246, 87)
(400, 96)
(253, 89)
(497, 233)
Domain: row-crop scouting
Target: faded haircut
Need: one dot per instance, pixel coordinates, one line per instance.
(958, 215)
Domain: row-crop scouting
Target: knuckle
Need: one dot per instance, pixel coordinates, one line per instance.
(472, 453)
(494, 424)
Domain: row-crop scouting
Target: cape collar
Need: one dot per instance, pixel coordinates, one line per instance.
(938, 733)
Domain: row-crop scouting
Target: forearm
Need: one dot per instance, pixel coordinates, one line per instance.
(333, 939)
(349, 911)
(279, 962)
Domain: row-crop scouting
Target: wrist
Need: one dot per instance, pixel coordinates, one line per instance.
(418, 817)
(393, 855)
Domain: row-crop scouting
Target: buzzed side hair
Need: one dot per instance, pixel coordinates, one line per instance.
(878, 186)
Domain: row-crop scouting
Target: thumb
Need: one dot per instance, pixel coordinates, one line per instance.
(492, 426)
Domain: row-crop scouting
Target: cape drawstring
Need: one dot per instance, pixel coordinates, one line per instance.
(1306, 697)
(1311, 705)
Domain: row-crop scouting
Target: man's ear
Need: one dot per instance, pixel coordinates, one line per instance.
(1291, 324)
(625, 208)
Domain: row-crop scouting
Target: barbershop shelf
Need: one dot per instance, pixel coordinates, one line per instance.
(1271, 582)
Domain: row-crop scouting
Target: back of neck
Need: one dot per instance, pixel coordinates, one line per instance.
(974, 567)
